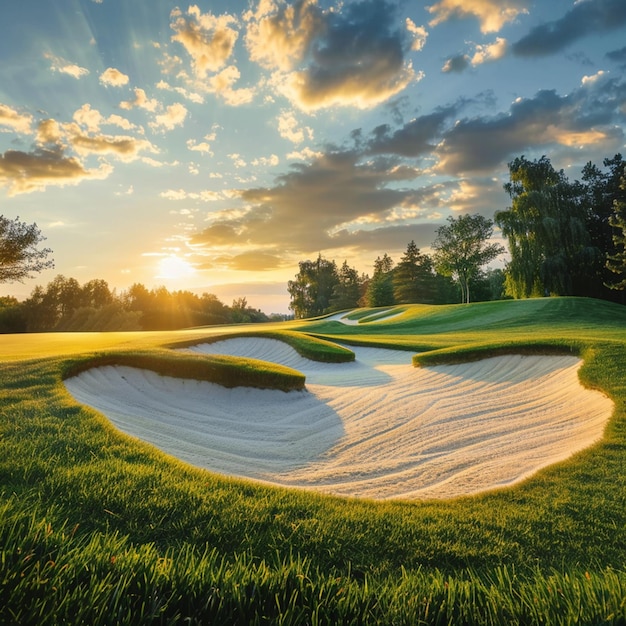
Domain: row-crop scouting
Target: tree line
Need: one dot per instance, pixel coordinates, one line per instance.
(461, 250)
(565, 238)
(66, 305)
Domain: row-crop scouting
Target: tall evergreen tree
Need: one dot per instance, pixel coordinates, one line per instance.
(380, 287)
(347, 291)
(413, 277)
(616, 262)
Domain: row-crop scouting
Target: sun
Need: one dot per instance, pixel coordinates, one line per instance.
(173, 268)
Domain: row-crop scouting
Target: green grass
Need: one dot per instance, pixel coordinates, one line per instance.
(99, 528)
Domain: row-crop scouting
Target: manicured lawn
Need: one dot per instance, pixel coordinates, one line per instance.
(100, 528)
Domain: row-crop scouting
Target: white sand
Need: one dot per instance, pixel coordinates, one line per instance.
(376, 428)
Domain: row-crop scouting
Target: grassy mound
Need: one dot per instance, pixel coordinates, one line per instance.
(99, 528)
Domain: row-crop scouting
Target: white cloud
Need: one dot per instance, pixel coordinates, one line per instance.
(208, 39)
(113, 77)
(271, 160)
(141, 100)
(174, 115)
(289, 129)
(59, 64)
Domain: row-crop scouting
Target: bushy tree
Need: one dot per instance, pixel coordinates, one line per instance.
(19, 255)
(313, 287)
(546, 227)
(462, 248)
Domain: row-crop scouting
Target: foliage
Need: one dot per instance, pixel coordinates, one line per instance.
(557, 230)
(617, 262)
(19, 255)
(312, 290)
(461, 249)
(348, 290)
(65, 305)
(414, 278)
(379, 290)
(100, 528)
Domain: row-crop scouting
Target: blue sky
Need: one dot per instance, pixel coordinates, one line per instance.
(211, 146)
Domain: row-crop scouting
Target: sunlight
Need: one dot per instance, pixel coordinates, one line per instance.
(173, 267)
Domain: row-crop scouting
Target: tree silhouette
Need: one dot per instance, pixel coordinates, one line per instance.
(19, 255)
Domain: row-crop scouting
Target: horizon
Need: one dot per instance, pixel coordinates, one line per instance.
(212, 146)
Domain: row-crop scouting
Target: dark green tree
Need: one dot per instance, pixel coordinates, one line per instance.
(380, 287)
(347, 291)
(413, 277)
(616, 262)
(546, 227)
(19, 255)
(462, 248)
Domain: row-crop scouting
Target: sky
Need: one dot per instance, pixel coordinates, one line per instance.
(211, 146)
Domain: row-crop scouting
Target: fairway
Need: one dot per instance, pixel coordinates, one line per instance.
(470, 456)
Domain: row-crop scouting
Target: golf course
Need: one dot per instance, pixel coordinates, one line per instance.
(413, 464)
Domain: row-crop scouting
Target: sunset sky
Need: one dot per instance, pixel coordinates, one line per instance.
(211, 146)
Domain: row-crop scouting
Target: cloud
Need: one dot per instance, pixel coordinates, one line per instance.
(584, 18)
(141, 100)
(19, 122)
(618, 56)
(207, 195)
(189, 95)
(174, 116)
(125, 148)
(458, 63)
(321, 205)
(207, 38)
(492, 14)
(288, 128)
(113, 78)
(49, 132)
(59, 64)
(419, 34)
(25, 172)
(417, 137)
(203, 146)
(92, 119)
(489, 52)
(355, 56)
(279, 35)
(588, 116)
(222, 85)
(253, 261)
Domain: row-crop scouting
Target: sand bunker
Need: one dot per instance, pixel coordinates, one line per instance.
(376, 428)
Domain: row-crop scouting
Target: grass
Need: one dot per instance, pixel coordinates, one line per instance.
(99, 528)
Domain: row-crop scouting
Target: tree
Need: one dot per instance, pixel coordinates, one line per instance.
(546, 226)
(380, 287)
(347, 291)
(461, 249)
(19, 256)
(312, 289)
(413, 278)
(617, 261)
